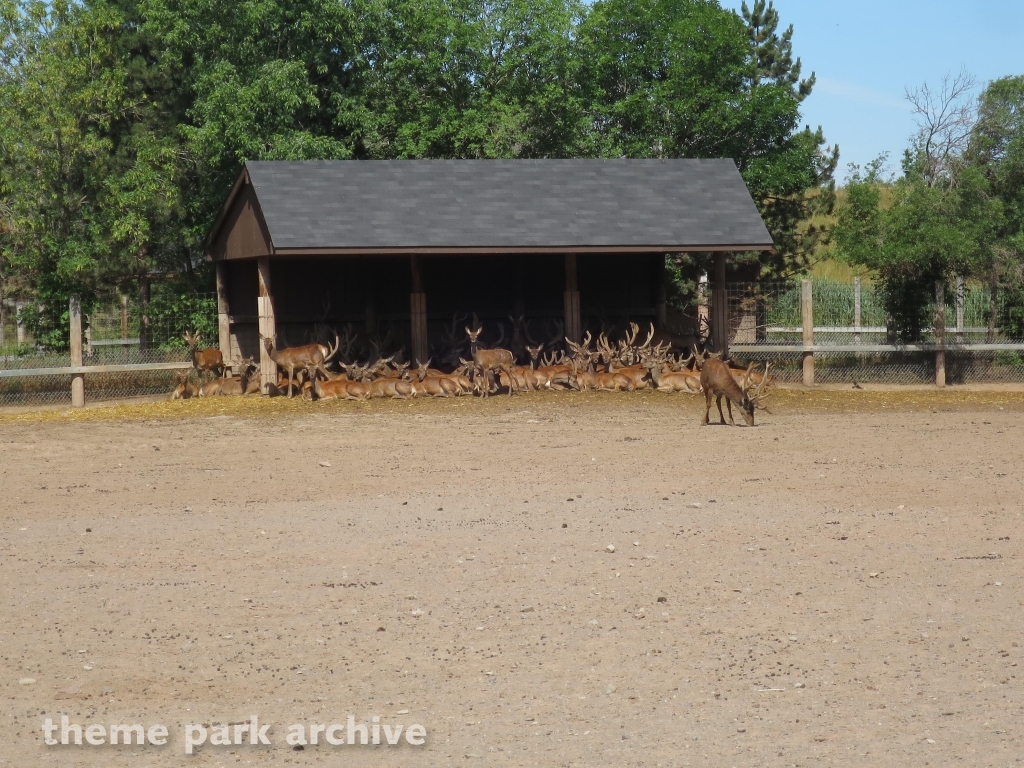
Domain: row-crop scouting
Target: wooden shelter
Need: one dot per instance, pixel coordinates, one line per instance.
(411, 243)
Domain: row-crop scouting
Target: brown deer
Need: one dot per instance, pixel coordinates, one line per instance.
(672, 381)
(292, 359)
(208, 359)
(336, 388)
(235, 385)
(717, 381)
(490, 360)
(185, 388)
(433, 383)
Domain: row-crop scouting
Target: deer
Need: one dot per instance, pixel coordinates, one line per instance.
(292, 359)
(208, 359)
(435, 384)
(717, 381)
(235, 385)
(337, 387)
(185, 388)
(489, 360)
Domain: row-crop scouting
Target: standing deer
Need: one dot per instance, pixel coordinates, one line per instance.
(208, 359)
(489, 360)
(717, 381)
(295, 359)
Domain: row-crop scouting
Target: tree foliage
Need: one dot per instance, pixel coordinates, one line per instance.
(123, 123)
(956, 210)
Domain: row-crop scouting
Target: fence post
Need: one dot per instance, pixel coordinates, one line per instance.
(18, 307)
(124, 327)
(960, 295)
(807, 316)
(940, 334)
(77, 379)
(856, 310)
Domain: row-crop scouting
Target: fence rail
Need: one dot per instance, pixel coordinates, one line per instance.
(837, 327)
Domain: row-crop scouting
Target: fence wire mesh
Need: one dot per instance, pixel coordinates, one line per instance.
(116, 332)
(770, 313)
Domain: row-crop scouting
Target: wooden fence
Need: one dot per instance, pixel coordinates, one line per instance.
(939, 347)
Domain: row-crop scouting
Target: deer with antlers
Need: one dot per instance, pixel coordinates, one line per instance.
(490, 361)
(296, 359)
(203, 360)
(718, 382)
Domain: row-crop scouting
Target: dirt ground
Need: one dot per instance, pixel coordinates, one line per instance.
(840, 585)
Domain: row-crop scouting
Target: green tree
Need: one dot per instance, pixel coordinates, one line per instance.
(686, 78)
(996, 151)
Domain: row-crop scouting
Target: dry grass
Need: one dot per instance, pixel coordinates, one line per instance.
(845, 401)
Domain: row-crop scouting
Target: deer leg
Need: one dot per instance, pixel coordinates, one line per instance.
(707, 409)
(291, 374)
(728, 404)
(512, 383)
(721, 415)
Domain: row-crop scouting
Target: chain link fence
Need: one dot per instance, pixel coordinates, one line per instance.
(853, 314)
(118, 331)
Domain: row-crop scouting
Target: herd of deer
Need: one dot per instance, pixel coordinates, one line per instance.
(620, 366)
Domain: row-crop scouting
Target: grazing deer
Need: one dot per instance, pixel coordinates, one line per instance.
(185, 388)
(490, 360)
(235, 385)
(717, 381)
(292, 359)
(208, 359)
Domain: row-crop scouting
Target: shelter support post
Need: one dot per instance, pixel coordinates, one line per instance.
(267, 323)
(661, 299)
(573, 323)
(940, 334)
(77, 379)
(807, 317)
(418, 314)
(223, 311)
(720, 308)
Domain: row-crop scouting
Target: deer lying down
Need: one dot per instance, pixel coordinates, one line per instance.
(718, 382)
(234, 386)
(185, 388)
(339, 388)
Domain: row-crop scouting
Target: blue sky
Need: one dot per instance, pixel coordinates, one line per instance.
(866, 52)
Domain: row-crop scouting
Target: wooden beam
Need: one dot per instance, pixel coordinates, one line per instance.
(571, 300)
(807, 316)
(719, 307)
(267, 323)
(661, 294)
(418, 314)
(77, 379)
(223, 313)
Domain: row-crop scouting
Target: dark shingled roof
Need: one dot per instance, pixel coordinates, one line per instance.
(507, 204)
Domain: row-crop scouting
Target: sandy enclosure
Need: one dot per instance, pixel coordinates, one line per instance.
(839, 585)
